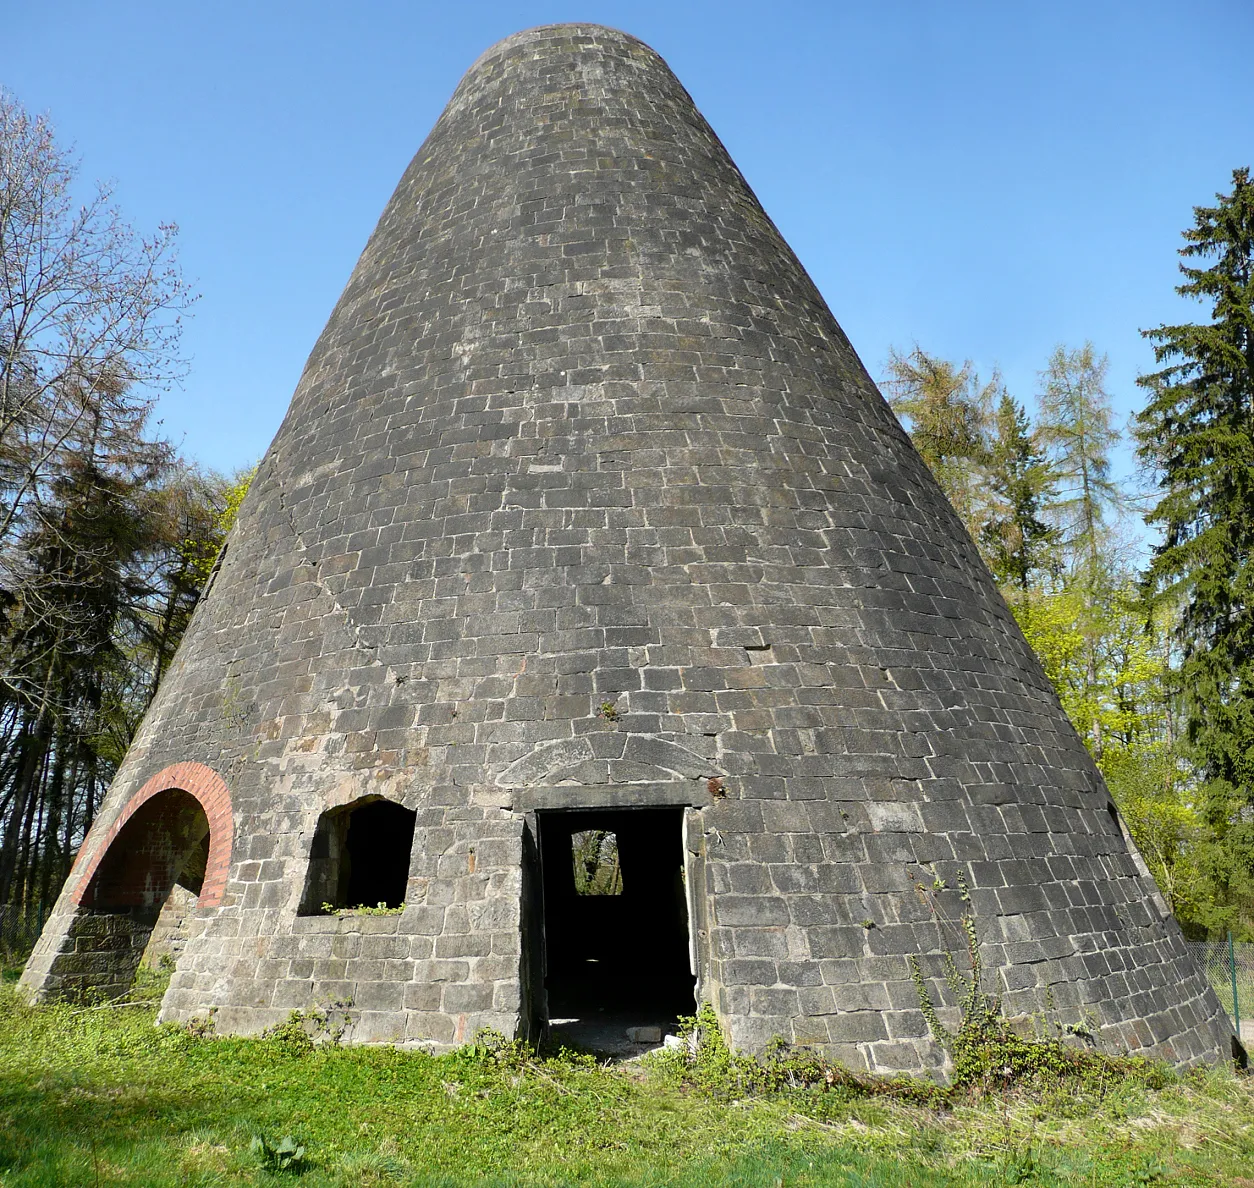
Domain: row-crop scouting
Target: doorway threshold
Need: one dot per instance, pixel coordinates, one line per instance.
(612, 1035)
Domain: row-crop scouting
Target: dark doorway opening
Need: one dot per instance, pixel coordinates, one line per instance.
(615, 919)
(163, 846)
(165, 842)
(360, 857)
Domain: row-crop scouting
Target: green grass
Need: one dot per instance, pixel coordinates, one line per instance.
(102, 1096)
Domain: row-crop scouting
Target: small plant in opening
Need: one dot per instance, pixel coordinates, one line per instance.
(608, 710)
(382, 908)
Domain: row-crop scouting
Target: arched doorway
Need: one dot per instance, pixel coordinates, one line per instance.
(166, 841)
(175, 832)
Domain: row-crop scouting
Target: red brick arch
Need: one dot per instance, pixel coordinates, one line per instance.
(206, 786)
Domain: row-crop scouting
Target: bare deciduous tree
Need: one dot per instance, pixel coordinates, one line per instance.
(89, 310)
(95, 515)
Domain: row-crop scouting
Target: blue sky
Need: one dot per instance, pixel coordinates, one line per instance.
(985, 179)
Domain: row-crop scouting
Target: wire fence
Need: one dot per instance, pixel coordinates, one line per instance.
(19, 930)
(1230, 969)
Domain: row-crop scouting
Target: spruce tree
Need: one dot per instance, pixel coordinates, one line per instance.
(1015, 540)
(1197, 434)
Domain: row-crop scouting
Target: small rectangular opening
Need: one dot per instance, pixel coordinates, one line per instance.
(359, 857)
(594, 857)
(615, 925)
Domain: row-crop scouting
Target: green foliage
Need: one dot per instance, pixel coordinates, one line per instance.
(489, 1048)
(705, 1061)
(991, 1055)
(1110, 659)
(1154, 790)
(1196, 434)
(1016, 542)
(594, 855)
(301, 1031)
(1111, 673)
(362, 909)
(104, 1090)
(1075, 427)
(203, 540)
(946, 410)
(287, 1155)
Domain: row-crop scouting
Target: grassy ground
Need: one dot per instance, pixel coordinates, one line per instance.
(102, 1097)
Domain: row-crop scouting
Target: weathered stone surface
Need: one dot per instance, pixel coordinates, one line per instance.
(581, 432)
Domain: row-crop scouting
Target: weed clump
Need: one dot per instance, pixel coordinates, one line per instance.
(704, 1060)
(489, 1048)
(287, 1155)
(989, 1055)
(302, 1031)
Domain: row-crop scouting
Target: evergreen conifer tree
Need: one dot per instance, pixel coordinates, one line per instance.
(1197, 433)
(1016, 542)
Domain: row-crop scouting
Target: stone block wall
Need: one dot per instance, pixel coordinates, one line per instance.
(432, 974)
(169, 934)
(97, 953)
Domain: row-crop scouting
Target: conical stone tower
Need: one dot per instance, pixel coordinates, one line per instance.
(592, 604)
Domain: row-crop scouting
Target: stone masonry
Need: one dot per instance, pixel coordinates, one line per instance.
(581, 432)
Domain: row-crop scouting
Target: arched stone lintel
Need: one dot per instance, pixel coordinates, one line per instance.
(214, 796)
(587, 760)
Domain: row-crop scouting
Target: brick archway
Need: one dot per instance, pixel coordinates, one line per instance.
(205, 786)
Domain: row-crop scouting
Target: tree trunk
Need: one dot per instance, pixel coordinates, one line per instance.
(34, 746)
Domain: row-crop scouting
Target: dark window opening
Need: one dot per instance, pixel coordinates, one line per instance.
(360, 857)
(615, 916)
